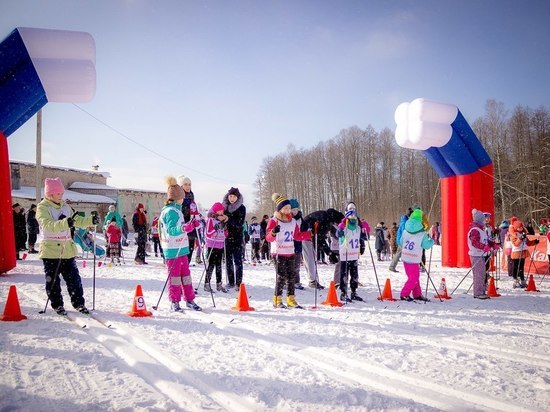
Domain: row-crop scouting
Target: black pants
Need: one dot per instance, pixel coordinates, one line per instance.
(255, 250)
(192, 238)
(31, 241)
(234, 262)
(264, 249)
(349, 267)
(517, 270)
(214, 257)
(284, 269)
(141, 241)
(69, 271)
(157, 246)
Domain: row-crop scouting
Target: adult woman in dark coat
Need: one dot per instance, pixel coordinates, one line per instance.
(236, 213)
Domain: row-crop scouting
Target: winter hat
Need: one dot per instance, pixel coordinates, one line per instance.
(234, 191)
(140, 206)
(478, 216)
(280, 201)
(181, 179)
(416, 215)
(516, 224)
(53, 186)
(504, 224)
(216, 207)
(112, 208)
(351, 206)
(15, 205)
(294, 204)
(174, 192)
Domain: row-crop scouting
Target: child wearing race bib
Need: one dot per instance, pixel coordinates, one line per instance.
(414, 240)
(175, 245)
(350, 238)
(281, 231)
(57, 249)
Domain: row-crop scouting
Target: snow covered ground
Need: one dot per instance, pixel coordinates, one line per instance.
(462, 354)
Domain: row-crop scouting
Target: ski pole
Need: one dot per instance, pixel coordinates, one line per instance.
(429, 268)
(55, 277)
(314, 247)
(459, 283)
(431, 281)
(93, 271)
(375, 273)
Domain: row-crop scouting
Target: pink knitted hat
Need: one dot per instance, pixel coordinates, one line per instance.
(53, 185)
(216, 207)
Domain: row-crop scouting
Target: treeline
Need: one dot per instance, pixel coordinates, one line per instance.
(384, 179)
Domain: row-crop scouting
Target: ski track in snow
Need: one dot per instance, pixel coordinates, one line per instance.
(364, 355)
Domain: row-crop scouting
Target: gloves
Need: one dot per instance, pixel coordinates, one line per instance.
(487, 248)
(276, 229)
(196, 223)
(333, 258)
(340, 233)
(70, 222)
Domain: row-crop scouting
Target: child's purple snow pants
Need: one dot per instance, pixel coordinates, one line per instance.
(479, 273)
(180, 278)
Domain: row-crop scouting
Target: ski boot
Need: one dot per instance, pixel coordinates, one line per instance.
(193, 305)
(355, 296)
(60, 310)
(291, 302)
(220, 288)
(344, 298)
(422, 299)
(175, 307)
(278, 302)
(83, 309)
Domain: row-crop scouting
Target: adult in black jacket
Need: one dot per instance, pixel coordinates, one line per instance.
(319, 223)
(189, 210)
(236, 213)
(19, 229)
(33, 228)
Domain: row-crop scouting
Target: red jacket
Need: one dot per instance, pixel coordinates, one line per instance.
(113, 233)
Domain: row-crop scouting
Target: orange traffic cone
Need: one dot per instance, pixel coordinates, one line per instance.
(12, 311)
(492, 290)
(139, 310)
(531, 285)
(242, 301)
(332, 299)
(442, 293)
(386, 294)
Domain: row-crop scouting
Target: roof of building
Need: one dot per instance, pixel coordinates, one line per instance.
(94, 186)
(95, 172)
(28, 192)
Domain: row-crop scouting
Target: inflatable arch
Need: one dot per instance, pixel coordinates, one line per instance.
(37, 66)
(462, 164)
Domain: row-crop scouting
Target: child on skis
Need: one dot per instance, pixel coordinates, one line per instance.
(281, 232)
(254, 232)
(350, 236)
(114, 234)
(215, 242)
(479, 248)
(58, 249)
(175, 244)
(414, 240)
(520, 243)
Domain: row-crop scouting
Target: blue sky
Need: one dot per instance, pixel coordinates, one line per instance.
(217, 86)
